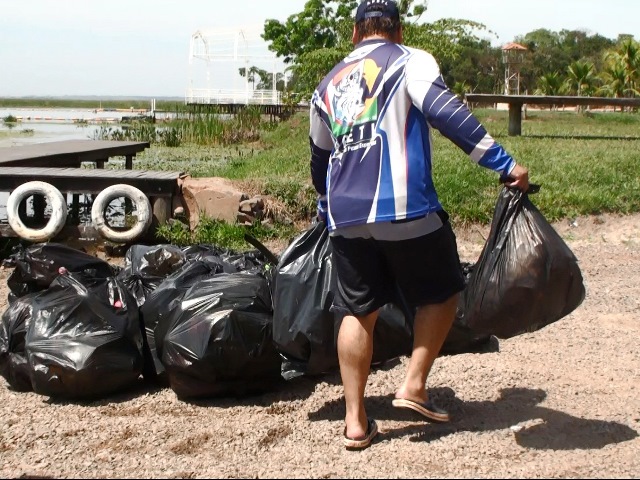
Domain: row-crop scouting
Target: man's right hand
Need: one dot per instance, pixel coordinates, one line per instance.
(518, 178)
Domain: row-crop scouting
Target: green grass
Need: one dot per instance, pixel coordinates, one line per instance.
(578, 176)
(223, 234)
(585, 163)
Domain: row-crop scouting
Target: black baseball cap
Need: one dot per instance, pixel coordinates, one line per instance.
(377, 8)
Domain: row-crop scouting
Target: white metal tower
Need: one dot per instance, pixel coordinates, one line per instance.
(216, 59)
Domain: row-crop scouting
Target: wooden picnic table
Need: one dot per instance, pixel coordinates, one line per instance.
(70, 153)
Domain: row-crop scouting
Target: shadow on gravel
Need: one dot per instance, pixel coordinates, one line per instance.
(278, 391)
(282, 391)
(141, 388)
(299, 388)
(533, 426)
(34, 477)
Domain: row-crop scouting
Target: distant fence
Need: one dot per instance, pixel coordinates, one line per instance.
(233, 97)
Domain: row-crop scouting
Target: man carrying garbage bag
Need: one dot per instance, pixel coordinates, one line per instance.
(370, 135)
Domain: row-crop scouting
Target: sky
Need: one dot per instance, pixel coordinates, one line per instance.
(142, 47)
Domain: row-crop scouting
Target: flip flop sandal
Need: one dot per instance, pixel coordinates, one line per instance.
(427, 409)
(362, 443)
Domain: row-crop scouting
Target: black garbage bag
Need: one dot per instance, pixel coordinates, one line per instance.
(147, 266)
(526, 276)
(84, 342)
(36, 266)
(307, 317)
(166, 299)
(219, 339)
(392, 336)
(228, 261)
(307, 314)
(201, 261)
(461, 339)
(13, 330)
(303, 293)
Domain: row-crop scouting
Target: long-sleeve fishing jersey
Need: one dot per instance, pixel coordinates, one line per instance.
(370, 135)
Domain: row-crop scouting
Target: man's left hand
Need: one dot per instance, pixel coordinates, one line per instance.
(518, 178)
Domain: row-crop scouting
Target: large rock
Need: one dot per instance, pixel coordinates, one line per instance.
(215, 198)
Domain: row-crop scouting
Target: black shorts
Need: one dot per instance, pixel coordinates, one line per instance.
(425, 269)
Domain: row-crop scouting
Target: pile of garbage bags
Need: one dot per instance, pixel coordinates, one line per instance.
(210, 322)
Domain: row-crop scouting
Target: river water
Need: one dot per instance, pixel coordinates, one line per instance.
(38, 125)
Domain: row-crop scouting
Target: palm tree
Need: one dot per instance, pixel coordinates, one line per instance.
(461, 89)
(613, 82)
(582, 79)
(251, 74)
(551, 84)
(630, 56)
(627, 59)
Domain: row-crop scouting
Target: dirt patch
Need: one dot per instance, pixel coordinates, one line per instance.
(561, 402)
(190, 445)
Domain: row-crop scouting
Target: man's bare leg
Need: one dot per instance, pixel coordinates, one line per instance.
(431, 327)
(355, 349)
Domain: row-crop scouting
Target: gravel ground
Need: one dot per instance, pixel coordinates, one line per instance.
(561, 402)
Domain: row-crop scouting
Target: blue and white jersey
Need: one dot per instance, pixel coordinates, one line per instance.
(370, 134)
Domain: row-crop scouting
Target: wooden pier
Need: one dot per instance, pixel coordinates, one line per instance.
(61, 165)
(91, 180)
(70, 153)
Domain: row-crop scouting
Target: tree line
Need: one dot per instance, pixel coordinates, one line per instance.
(568, 62)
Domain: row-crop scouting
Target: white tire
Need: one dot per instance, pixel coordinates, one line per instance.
(143, 211)
(56, 201)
